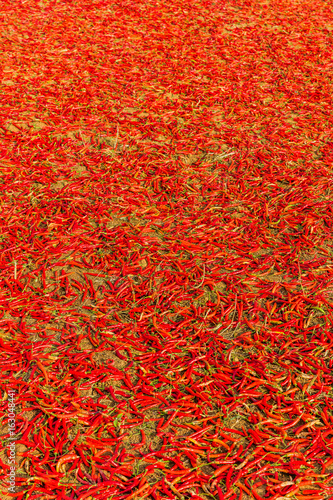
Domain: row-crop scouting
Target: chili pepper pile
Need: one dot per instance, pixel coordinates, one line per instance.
(166, 271)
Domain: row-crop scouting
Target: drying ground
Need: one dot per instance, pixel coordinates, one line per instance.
(166, 283)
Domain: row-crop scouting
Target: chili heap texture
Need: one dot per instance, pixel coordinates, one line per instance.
(166, 274)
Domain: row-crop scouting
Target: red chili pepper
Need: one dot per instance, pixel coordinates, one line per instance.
(65, 459)
(43, 370)
(73, 443)
(220, 493)
(80, 452)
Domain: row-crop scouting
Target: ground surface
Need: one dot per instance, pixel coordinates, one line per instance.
(166, 275)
